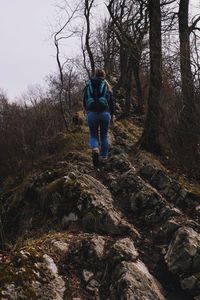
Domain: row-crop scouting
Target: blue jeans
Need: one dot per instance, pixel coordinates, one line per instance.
(96, 121)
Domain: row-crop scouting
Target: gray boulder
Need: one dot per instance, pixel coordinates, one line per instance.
(183, 255)
(132, 281)
(123, 250)
(144, 200)
(34, 277)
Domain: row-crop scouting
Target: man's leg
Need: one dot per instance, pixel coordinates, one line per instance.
(93, 122)
(104, 125)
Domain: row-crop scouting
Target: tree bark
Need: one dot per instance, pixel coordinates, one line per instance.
(188, 131)
(186, 73)
(88, 6)
(150, 137)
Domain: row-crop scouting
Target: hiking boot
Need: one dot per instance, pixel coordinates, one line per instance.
(95, 157)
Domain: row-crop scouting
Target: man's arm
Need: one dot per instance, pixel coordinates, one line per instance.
(84, 101)
(112, 107)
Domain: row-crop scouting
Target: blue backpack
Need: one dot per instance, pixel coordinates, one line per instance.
(97, 95)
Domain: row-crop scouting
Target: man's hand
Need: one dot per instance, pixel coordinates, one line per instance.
(113, 118)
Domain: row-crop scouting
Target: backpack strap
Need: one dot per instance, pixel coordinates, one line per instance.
(97, 94)
(103, 88)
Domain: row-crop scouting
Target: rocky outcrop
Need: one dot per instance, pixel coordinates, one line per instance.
(170, 188)
(132, 281)
(119, 233)
(123, 250)
(73, 198)
(31, 276)
(183, 257)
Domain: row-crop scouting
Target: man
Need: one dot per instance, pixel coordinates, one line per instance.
(98, 104)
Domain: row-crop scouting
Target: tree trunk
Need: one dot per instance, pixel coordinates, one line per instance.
(129, 87)
(188, 129)
(186, 73)
(88, 6)
(124, 57)
(150, 137)
(136, 72)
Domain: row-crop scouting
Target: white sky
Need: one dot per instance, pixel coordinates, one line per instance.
(27, 54)
(26, 51)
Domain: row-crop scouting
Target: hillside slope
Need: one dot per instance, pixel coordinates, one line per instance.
(128, 231)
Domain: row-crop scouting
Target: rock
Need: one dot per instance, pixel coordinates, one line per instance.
(93, 286)
(87, 255)
(120, 163)
(169, 228)
(188, 283)
(132, 281)
(126, 183)
(33, 277)
(50, 264)
(147, 171)
(10, 292)
(87, 275)
(97, 247)
(57, 284)
(183, 255)
(69, 198)
(161, 181)
(95, 201)
(91, 249)
(169, 188)
(144, 200)
(72, 217)
(123, 250)
(60, 247)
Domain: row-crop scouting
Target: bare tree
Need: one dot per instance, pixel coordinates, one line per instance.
(130, 25)
(87, 13)
(189, 123)
(150, 137)
(59, 36)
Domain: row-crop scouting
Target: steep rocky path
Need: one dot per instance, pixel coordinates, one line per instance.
(128, 231)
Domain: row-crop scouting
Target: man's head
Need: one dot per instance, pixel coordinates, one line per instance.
(100, 73)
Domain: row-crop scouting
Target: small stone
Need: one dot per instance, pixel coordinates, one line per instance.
(183, 193)
(123, 250)
(87, 275)
(72, 217)
(170, 227)
(72, 175)
(79, 206)
(188, 283)
(51, 264)
(93, 285)
(60, 247)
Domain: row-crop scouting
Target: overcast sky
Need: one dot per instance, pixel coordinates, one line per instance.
(27, 53)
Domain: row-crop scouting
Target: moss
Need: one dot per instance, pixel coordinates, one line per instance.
(130, 129)
(89, 221)
(53, 187)
(191, 187)
(23, 269)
